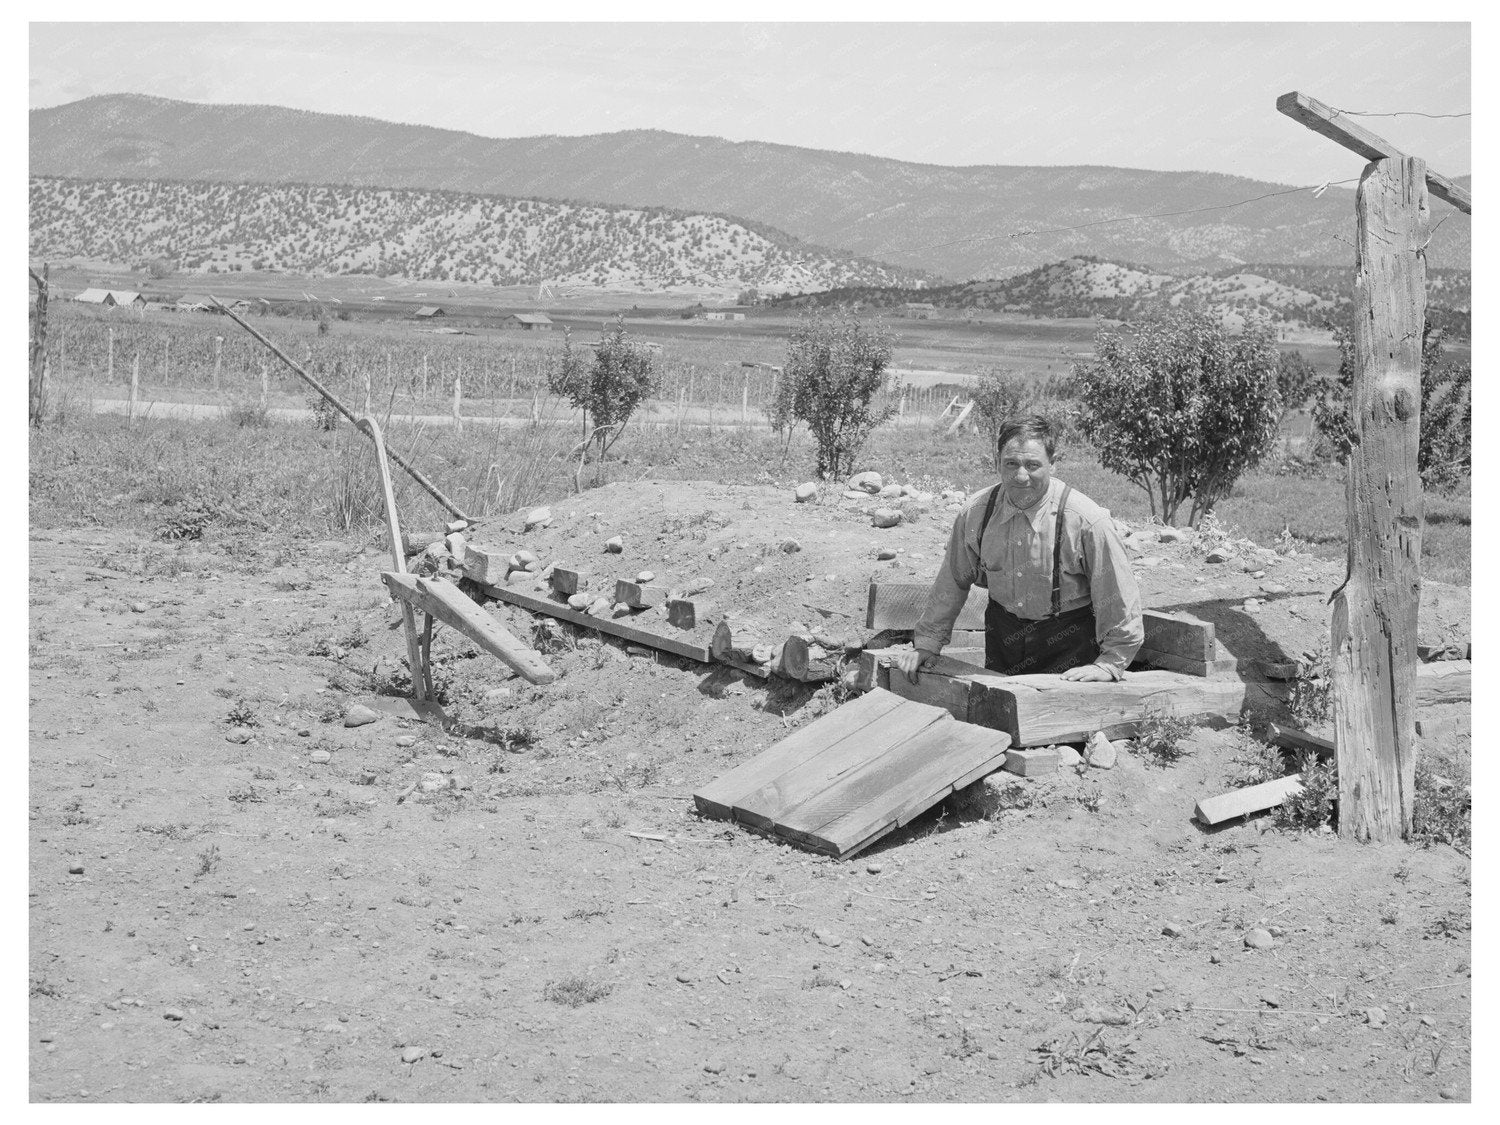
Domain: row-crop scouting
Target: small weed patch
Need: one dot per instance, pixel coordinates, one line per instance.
(576, 991)
(1160, 737)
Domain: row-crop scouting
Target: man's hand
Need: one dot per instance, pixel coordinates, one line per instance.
(1087, 673)
(911, 662)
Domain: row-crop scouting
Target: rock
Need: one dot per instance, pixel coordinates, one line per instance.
(1069, 884)
(684, 978)
(304, 732)
(1100, 753)
(1375, 1017)
(139, 607)
(174, 1014)
(413, 1054)
(239, 735)
(1259, 939)
(364, 777)
(1032, 761)
(1100, 1013)
(890, 492)
(1171, 535)
(1218, 555)
(696, 586)
(1270, 1000)
(1449, 1093)
(885, 517)
(1172, 929)
(406, 740)
(1067, 756)
(455, 544)
(874, 869)
(1214, 959)
(455, 525)
(615, 546)
(321, 757)
(856, 495)
(885, 554)
(806, 491)
(580, 601)
(538, 517)
(75, 869)
(762, 654)
(866, 482)
(790, 546)
(1278, 669)
(828, 938)
(715, 1067)
(359, 715)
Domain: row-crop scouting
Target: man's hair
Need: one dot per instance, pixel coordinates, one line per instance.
(1031, 428)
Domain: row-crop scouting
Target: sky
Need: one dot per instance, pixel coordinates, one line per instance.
(1163, 95)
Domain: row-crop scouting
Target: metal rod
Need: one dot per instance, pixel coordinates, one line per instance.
(412, 471)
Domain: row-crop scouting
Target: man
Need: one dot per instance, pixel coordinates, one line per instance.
(1062, 597)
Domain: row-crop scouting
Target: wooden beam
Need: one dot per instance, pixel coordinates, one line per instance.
(1357, 139)
(1251, 799)
(614, 628)
(451, 606)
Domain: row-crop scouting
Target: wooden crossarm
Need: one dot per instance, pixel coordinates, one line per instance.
(1357, 139)
(449, 605)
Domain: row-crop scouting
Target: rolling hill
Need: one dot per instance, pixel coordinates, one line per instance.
(427, 235)
(1093, 287)
(956, 222)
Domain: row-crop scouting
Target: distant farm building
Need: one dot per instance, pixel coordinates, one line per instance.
(715, 316)
(920, 309)
(427, 312)
(112, 298)
(530, 322)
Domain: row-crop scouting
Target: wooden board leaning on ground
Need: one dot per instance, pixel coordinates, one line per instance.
(1042, 710)
(614, 627)
(448, 604)
(840, 783)
(1175, 642)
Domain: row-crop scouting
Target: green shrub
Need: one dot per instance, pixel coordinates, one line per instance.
(1445, 442)
(607, 388)
(1159, 736)
(1181, 408)
(834, 369)
(1313, 806)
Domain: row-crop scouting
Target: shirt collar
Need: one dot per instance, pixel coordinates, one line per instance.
(1032, 515)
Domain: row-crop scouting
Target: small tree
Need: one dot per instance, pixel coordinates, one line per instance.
(607, 389)
(834, 368)
(1181, 407)
(1445, 441)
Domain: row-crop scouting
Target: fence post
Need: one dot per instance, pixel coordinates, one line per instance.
(367, 391)
(424, 376)
(458, 421)
(135, 388)
(265, 383)
(218, 358)
(745, 404)
(166, 361)
(109, 370)
(681, 393)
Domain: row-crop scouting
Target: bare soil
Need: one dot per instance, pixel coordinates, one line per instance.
(216, 920)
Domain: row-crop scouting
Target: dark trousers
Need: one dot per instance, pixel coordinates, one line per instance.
(1014, 646)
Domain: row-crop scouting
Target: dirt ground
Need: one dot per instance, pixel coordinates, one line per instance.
(222, 920)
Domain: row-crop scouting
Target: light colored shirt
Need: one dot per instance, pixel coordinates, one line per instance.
(1016, 559)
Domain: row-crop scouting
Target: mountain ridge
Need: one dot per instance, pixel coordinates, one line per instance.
(951, 221)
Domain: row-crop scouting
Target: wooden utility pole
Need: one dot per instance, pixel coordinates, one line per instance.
(1374, 638)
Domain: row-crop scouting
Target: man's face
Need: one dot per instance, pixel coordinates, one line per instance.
(1025, 471)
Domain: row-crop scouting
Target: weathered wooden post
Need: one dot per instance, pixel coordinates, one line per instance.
(218, 358)
(265, 383)
(166, 361)
(109, 361)
(135, 388)
(458, 421)
(37, 384)
(1374, 634)
(367, 392)
(424, 376)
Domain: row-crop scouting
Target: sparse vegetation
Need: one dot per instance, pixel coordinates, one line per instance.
(833, 371)
(576, 991)
(1160, 737)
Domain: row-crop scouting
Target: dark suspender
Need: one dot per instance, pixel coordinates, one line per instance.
(1057, 538)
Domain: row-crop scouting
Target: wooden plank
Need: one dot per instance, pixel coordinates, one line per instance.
(1329, 122)
(805, 781)
(1293, 739)
(638, 595)
(1251, 799)
(899, 605)
(899, 786)
(486, 565)
(450, 605)
(717, 798)
(567, 581)
(947, 692)
(614, 628)
(1448, 681)
(681, 613)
